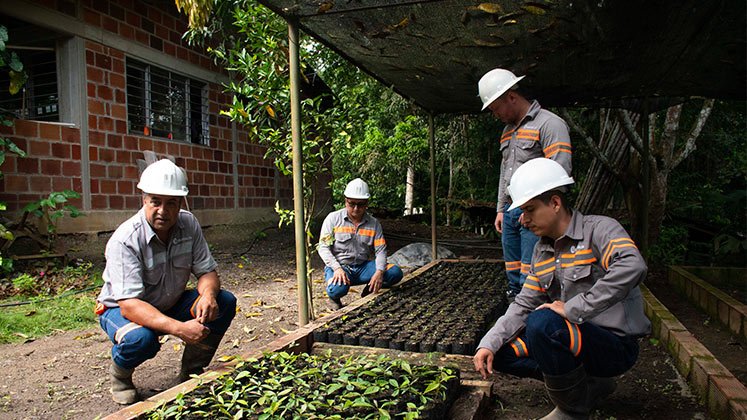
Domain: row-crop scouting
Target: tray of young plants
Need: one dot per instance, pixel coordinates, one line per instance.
(447, 308)
(304, 386)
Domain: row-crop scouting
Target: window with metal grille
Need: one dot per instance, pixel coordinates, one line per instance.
(165, 104)
(39, 98)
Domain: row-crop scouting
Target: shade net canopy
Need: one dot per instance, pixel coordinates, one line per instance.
(611, 53)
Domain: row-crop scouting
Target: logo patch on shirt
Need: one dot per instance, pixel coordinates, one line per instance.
(573, 249)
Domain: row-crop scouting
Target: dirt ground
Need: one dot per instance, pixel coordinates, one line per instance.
(64, 376)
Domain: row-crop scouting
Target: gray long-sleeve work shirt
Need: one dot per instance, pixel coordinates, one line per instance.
(341, 242)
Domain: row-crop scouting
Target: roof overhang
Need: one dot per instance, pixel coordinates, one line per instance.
(593, 53)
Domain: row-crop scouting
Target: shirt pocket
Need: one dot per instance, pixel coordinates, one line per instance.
(576, 280)
(526, 149)
(343, 242)
(153, 275)
(182, 266)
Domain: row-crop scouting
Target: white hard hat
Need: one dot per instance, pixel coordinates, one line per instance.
(534, 178)
(164, 178)
(357, 188)
(494, 84)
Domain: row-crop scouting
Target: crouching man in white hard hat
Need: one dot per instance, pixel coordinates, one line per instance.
(149, 260)
(577, 320)
(530, 132)
(352, 246)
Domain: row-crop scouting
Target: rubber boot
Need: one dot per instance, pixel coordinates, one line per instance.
(123, 390)
(197, 356)
(570, 394)
(599, 389)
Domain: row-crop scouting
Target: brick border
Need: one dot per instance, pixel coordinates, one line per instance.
(717, 304)
(722, 393)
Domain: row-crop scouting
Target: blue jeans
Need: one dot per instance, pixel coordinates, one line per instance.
(360, 274)
(136, 344)
(518, 244)
(545, 346)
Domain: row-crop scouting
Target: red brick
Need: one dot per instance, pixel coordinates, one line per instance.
(38, 148)
(98, 171)
(154, 15)
(75, 149)
(70, 168)
(114, 141)
(107, 186)
(95, 75)
(40, 184)
(142, 37)
(28, 165)
(118, 81)
(109, 24)
(114, 172)
(131, 172)
(89, 57)
(93, 154)
(16, 183)
(61, 150)
(145, 144)
(91, 90)
(116, 54)
(125, 187)
(51, 167)
(116, 202)
(118, 66)
(62, 183)
(169, 48)
(134, 202)
(106, 124)
(159, 147)
(119, 112)
(99, 201)
(106, 155)
(126, 31)
(91, 17)
(92, 122)
(96, 107)
(120, 126)
(70, 134)
(124, 156)
(49, 131)
(25, 128)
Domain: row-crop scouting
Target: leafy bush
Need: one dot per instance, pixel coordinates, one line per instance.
(671, 247)
(25, 283)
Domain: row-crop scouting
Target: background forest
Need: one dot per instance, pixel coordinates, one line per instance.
(355, 127)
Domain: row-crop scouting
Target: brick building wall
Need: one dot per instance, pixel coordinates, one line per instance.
(97, 156)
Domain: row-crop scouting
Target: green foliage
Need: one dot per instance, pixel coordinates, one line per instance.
(671, 247)
(282, 386)
(25, 283)
(20, 323)
(52, 208)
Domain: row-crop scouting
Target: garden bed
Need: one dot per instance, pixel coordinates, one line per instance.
(309, 386)
(447, 308)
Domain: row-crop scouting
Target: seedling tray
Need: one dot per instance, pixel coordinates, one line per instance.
(446, 308)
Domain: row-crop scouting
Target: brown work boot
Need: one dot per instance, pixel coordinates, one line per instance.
(197, 356)
(123, 390)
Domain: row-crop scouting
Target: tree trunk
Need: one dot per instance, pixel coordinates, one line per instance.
(409, 189)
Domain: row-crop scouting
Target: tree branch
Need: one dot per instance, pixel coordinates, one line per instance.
(705, 112)
(633, 137)
(593, 146)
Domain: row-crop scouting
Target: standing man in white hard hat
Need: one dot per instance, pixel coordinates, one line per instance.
(352, 246)
(149, 260)
(577, 320)
(530, 132)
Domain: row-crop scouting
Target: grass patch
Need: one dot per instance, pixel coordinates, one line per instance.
(21, 323)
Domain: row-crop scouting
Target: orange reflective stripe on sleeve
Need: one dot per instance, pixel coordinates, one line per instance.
(575, 345)
(378, 242)
(367, 232)
(525, 268)
(615, 244)
(520, 347)
(532, 282)
(556, 148)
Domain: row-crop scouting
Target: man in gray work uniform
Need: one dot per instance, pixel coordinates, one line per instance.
(530, 132)
(348, 239)
(149, 260)
(577, 320)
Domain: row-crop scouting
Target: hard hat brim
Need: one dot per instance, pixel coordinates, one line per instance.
(499, 93)
(549, 187)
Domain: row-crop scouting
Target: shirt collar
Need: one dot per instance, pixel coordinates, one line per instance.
(364, 219)
(534, 109)
(575, 231)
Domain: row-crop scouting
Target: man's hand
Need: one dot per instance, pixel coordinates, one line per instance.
(340, 277)
(193, 331)
(521, 219)
(499, 222)
(206, 309)
(376, 281)
(484, 362)
(557, 306)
